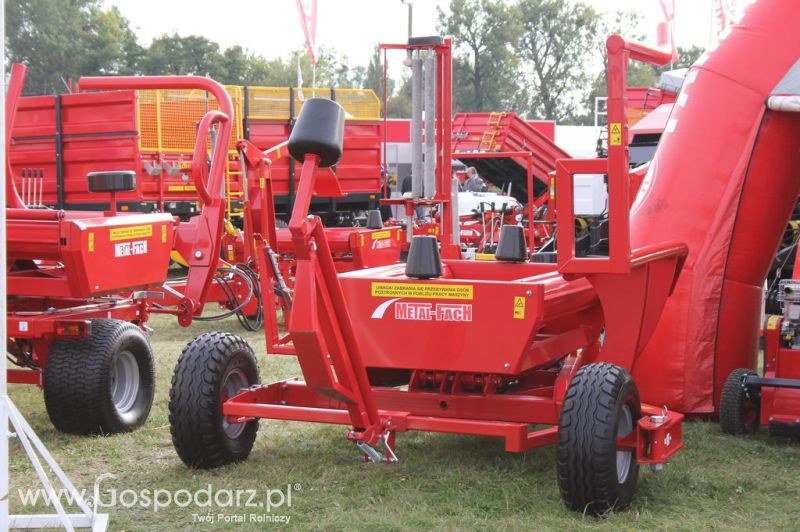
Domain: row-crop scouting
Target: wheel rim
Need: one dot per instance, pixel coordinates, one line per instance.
(124, 382)
(234, 381)
(624, 458)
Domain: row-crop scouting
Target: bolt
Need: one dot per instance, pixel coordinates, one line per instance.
(507, 365)
(283, 401)
(528, 293)
(198, 254)
(53, 309)
(310, 217)
(389, 423)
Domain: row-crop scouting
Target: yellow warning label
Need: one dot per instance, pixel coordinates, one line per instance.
(91, 242)
(181, 188)
(519, 308)
(262, 182)
(615, 134)
(129, 233)
(163, 234)
(381, 234)
(424, 291)
(772, 322)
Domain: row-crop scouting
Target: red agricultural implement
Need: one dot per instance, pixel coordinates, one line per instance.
(750, 401)
(79, 283)
(82, 284)
(404, 347)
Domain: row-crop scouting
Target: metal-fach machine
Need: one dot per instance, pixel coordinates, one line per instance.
(749, 400)
(404, 347)
(80, 284)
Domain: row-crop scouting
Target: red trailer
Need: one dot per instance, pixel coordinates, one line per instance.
(58, 139)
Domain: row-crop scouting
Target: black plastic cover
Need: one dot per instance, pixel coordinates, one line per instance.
(319, 130)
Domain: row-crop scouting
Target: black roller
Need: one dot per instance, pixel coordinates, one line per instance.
(423, 258)
(374, 219)
(319, 130)
(120, 181)
(511, 244)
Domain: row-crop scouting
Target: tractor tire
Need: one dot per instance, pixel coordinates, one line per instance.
(102, 384)
(601, 404)
(212, 367)
(739, 408)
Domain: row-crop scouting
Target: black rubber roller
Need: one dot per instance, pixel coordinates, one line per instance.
(511, 244)
(319, 130)
(423, 258)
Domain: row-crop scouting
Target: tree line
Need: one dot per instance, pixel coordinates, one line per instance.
(540, 58)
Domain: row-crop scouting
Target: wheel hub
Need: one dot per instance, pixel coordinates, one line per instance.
(624, 458)
(232, 383)
(124, 381)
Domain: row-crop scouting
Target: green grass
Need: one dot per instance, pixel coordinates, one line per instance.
(442, 481)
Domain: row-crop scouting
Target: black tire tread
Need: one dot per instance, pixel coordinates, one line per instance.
(731, 404)
(587, 476)
(194, 406)
(76, 380)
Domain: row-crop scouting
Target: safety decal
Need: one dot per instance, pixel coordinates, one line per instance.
(772, 322)
(422, 291)
(129, 233)
(519, 308)
(615, 134)
(163, 234)
(181, 188)
(91, 242)
(381, 234)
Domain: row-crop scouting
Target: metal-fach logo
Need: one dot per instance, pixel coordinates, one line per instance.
(431, 312)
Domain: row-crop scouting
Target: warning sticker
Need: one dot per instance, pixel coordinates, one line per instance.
(381, 234)
(519, 308)
(615, 134)
(129, 233)
(91, 242)
(423, 291)
(181, 188)
(772, 323)
(163, 234)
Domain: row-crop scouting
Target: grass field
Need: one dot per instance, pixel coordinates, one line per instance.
(442, 481)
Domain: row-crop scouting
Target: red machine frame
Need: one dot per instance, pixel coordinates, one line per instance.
(341, 346)
(444, 125)
(748, 400)
(72, 282)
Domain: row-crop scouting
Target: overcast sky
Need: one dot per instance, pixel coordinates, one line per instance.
(271, 27)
